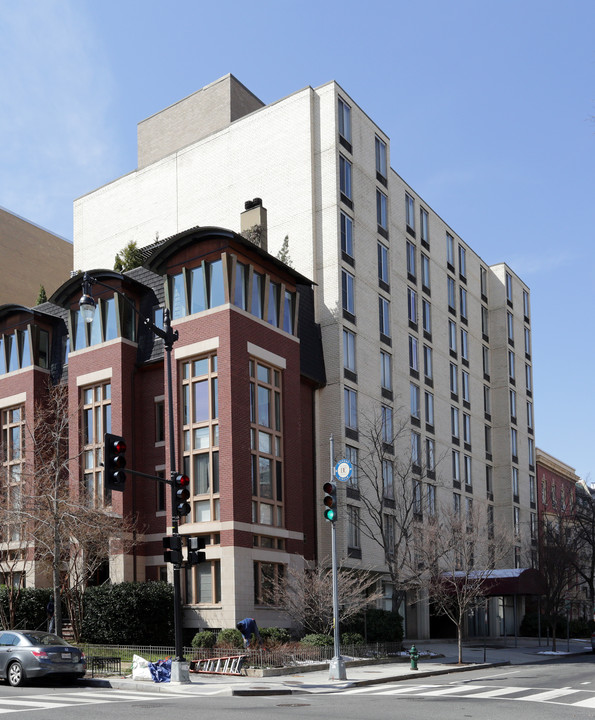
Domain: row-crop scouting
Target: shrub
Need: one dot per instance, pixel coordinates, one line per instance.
(317, 640)
(352, 639)
(204, 639)
(275, 636)
(376, 625)
(129, 614)
(30, 610)
(230, 637)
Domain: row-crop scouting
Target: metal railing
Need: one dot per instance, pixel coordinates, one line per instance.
(289, 655)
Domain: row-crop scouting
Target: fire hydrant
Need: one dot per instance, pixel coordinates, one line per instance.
(414, 655)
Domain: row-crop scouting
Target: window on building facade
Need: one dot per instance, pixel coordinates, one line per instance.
(515, 483)
(454, 422)
(274, 298)
(488, 439)
(456, 504)
(351, 454)
(344, 120)
(384, 316)
(531, 451)
(387, 424)
(388, 480)
(414, 401)
(509, 287)
(452, 336)
(202, 583)
(511, 365)
(416, 458)
(349, 350)
(528, 379)
(430, 455)
(431, 500)
(200, 431)
(516, 521)
(532, 492)
(386, 381)
(383, 270)
(412, 306)
(348, 296)
(389, 533)
(413, 354)
(417, 499)
(526, 304)
(527, 334)
(487, 400)
(113, 318)
(452, 303)
(529, 415)
(258, 285)
(266, 441)
(462, 262)
(465, 392)
(428, 363)
(512, 396)
(485, 322)
(426, 316)
(353, 527)
(429, 408)
(485, 355)
(450, 250)
(345, 177)
(346, 235)
(425, 272)
(96, 421)
(381, 210)
(466, 428)
(13, 458)
(465, 345)
(242, 276)
(381, 162)
(454, 382)
(159, 420)
(483, 282)
(510, 327)
(463, 303)
(410, 212)
(514, 442)
(489, 480)
(350, 400)
(267, 576)
(424, 228)
(411, 261)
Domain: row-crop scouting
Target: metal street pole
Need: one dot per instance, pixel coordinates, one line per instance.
(179, 667)
(337, 664)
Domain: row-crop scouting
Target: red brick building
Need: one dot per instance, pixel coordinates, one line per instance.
(246, 365)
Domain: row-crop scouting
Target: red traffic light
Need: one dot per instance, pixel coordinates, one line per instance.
(182, 480)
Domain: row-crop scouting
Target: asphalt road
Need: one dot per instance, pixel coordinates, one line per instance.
(561, 689)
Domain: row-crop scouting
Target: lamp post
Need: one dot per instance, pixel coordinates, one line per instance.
(179, 666)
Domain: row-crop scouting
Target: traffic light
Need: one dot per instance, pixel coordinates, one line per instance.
(172, 549)
(181, 484)
(330, 501)
(195, 546)
(114, 462)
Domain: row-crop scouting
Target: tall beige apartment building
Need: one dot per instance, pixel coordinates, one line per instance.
(30, 257)
(417, 329)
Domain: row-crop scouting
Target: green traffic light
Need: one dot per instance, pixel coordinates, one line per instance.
(330, 514)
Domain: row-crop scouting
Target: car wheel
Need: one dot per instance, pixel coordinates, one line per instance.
(15, 674)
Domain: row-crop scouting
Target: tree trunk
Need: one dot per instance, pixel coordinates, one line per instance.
(460, 640)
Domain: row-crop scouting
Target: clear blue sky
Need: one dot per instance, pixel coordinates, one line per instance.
(489, 105)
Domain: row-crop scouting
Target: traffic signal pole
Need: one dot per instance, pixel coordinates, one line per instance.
(337, 664)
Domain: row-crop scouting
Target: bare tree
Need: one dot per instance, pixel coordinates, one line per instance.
(70, 533)
(583, 530)
(461, 551)
(393, 476)
(306, 595)
(558, 566)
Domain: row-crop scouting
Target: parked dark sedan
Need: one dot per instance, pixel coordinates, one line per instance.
(29, 654)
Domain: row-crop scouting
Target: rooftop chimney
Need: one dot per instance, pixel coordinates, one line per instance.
(254, 223)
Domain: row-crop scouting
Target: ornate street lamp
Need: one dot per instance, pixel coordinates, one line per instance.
(179, 667)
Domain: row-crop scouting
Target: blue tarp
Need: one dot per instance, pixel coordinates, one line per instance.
(160, 670)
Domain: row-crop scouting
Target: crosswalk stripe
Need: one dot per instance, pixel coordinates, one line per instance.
(404, 690)
(498, 692)
(589, 702)
(388, 689)
(548, 695)
(452, 690)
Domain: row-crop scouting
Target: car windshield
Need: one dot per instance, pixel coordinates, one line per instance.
(44, 638)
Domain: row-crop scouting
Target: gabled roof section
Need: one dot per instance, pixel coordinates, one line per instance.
(163, 252)
(12, 309)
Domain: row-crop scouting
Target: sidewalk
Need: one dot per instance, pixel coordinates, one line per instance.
(442, 661)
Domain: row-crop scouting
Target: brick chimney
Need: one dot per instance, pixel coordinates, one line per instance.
(254, 223)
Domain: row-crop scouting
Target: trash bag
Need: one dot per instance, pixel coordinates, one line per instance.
(161, 670)
(140, 668)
